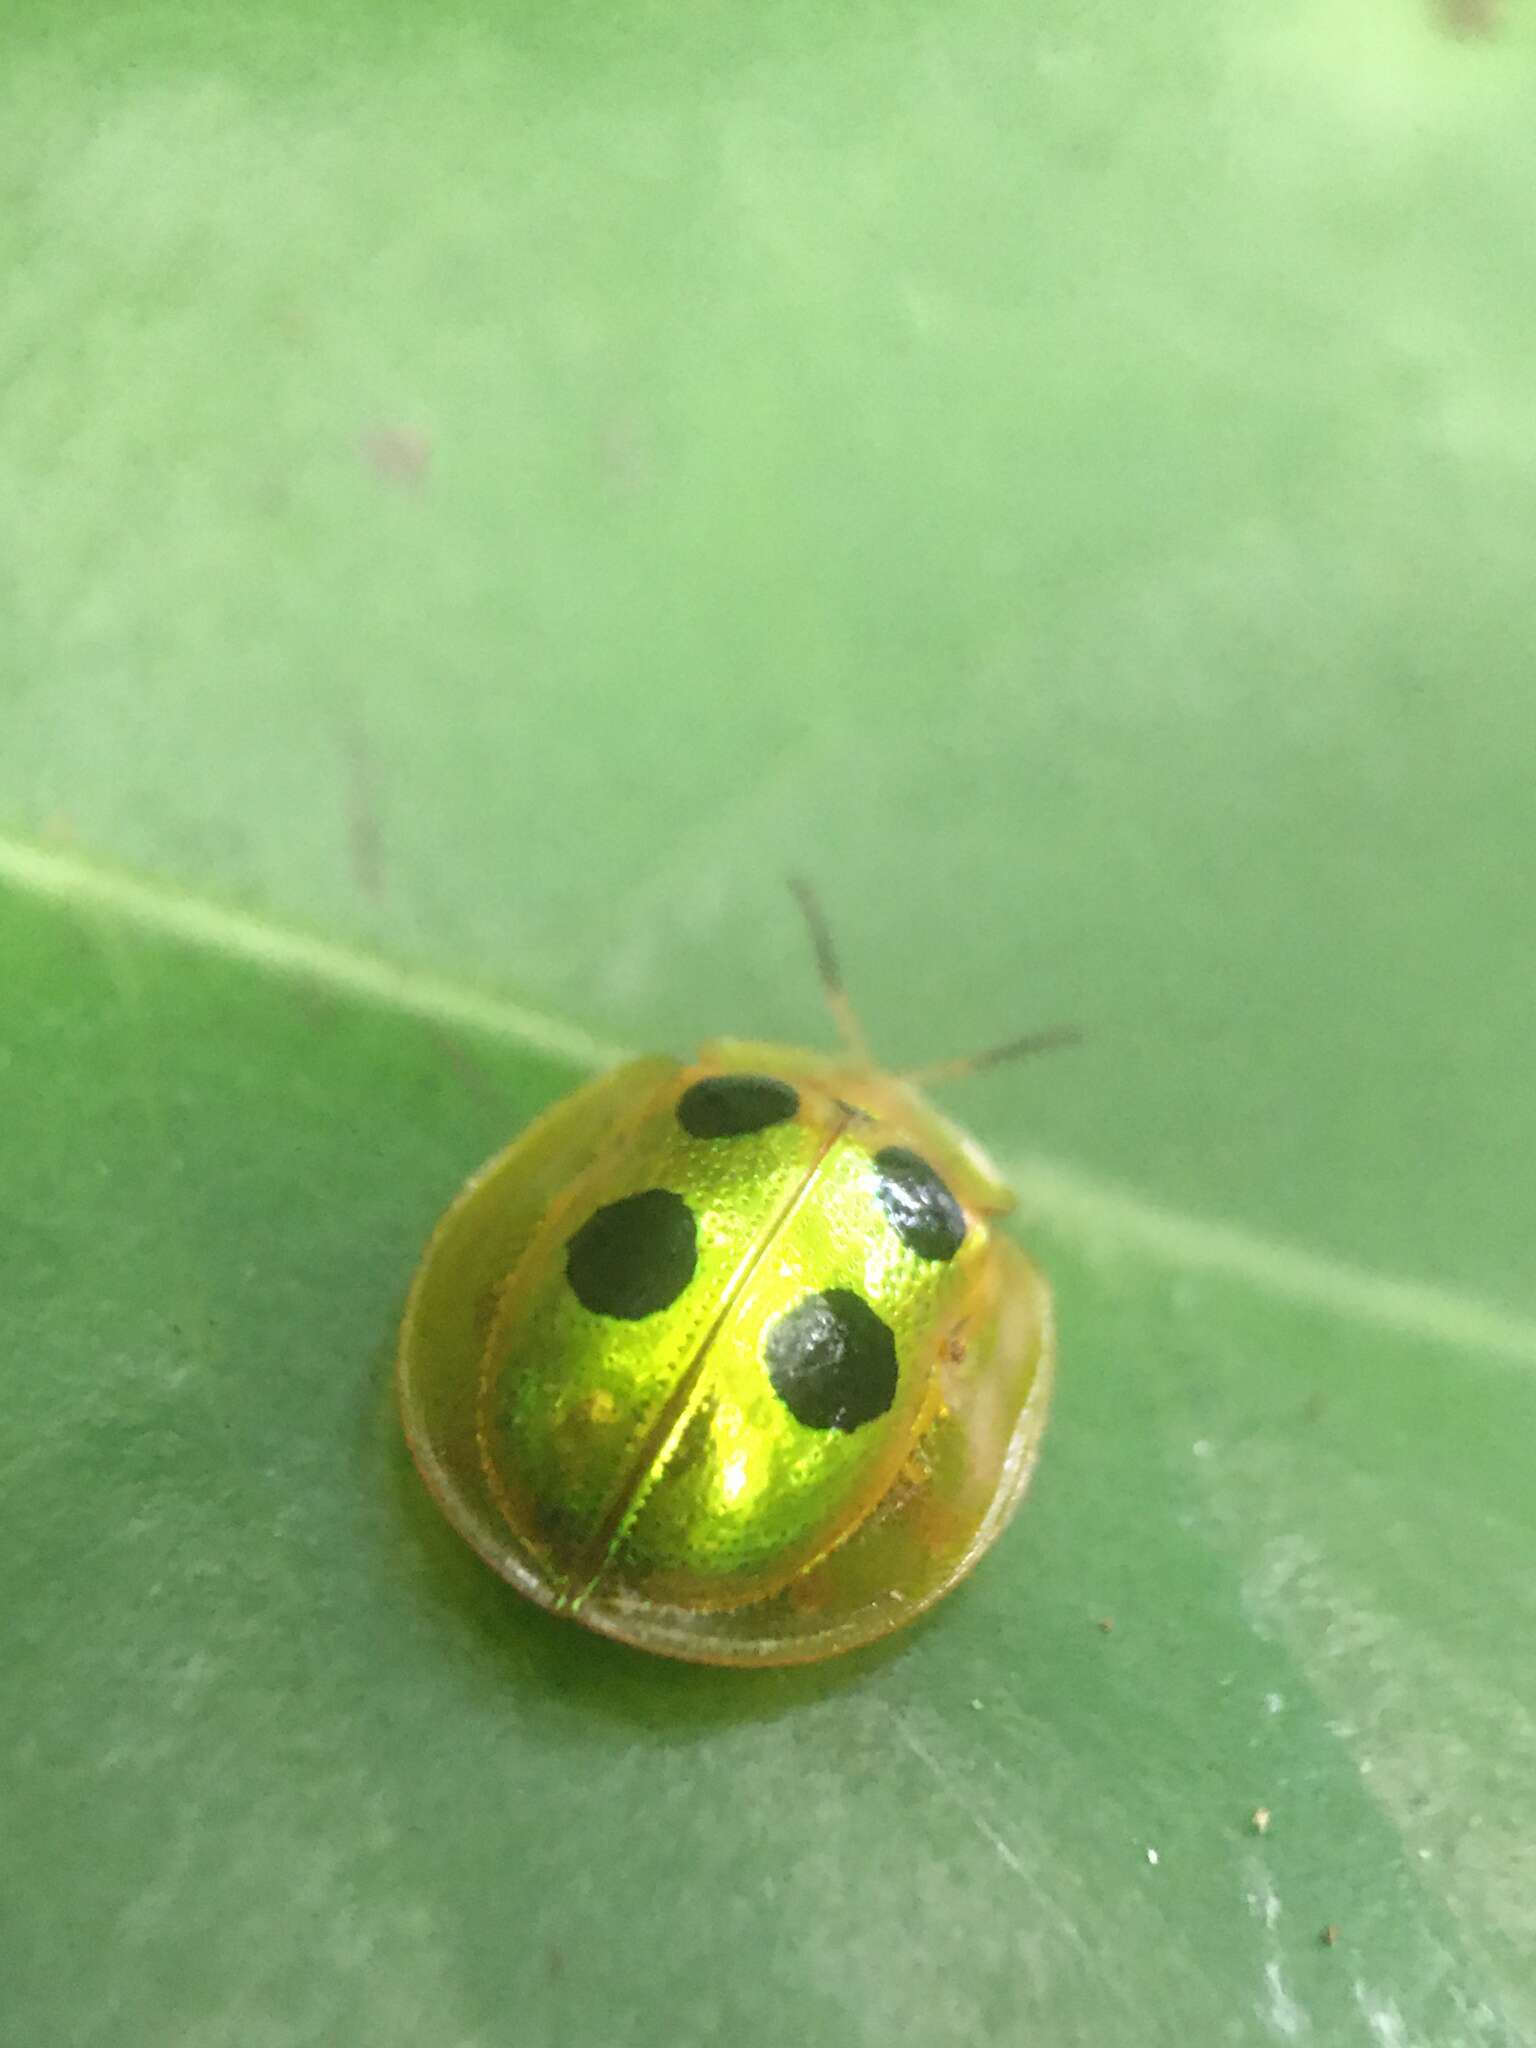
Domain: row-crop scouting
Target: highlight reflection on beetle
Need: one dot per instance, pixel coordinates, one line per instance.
(730, 1359)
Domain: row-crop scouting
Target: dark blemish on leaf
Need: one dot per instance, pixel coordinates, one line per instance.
(318, 1005)
(477, 1080)
(364, 839)
(398, 455)
(1469, 20)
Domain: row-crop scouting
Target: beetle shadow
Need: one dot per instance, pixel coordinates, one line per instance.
(522, 1646)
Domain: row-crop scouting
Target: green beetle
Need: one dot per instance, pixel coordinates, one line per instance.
(729, 1359)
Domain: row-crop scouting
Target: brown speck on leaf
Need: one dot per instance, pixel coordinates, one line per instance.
(1105, 1624)
(556, 1961)
(317, 1004)
(398, 455)
(1471, 20)
(475, 1077)
(1329, 1935)
(363, 814)
(1258, 1820)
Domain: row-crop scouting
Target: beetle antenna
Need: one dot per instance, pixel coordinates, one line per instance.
(996, 1056)
(849, 1029)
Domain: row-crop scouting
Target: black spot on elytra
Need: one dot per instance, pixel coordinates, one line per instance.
(730, 1105)
(922, 1211)
(832, 1361)
(635, 1256)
